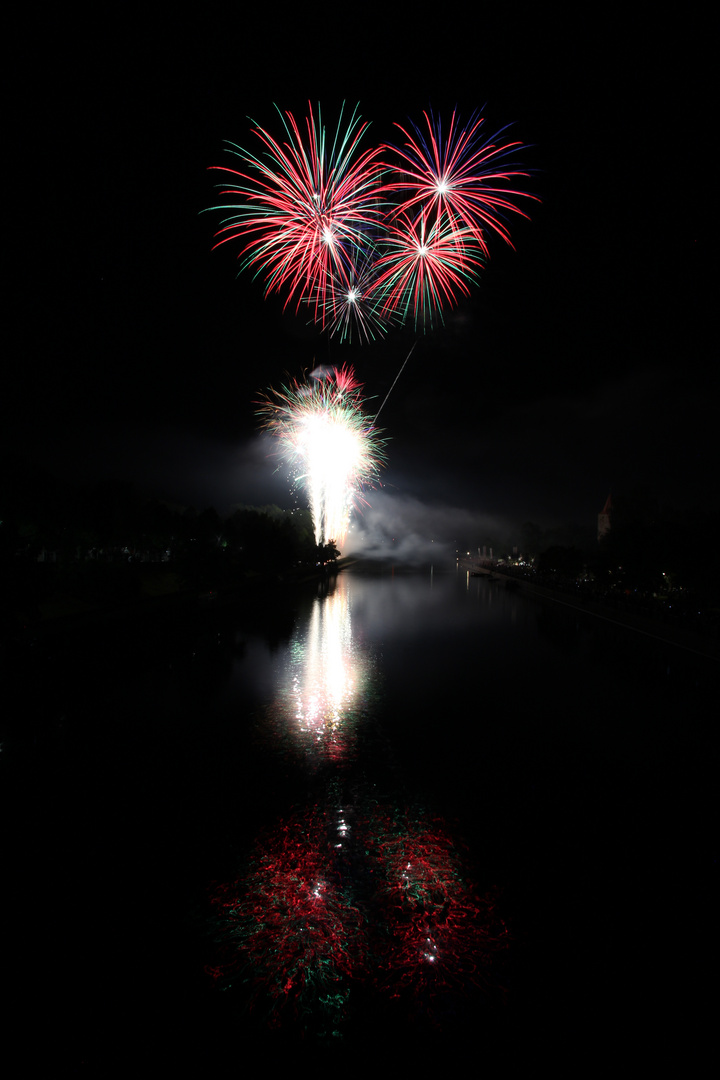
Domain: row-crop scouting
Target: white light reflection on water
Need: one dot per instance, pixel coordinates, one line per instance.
(319, 699)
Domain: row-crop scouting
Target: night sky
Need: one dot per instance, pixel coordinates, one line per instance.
(581, 364)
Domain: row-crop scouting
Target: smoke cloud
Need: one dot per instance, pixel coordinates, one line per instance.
(403, 529)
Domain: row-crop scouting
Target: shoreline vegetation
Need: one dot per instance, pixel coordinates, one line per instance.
(73, 557)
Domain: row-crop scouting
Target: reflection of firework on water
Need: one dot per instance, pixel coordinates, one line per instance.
(332, 901)
(334, 448)
(290, 933)
(369, 241)
(326, 679)
(441, 938)
(305, 206)
(322, 699)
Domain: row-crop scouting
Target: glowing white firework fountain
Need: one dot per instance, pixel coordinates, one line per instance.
(333, 448)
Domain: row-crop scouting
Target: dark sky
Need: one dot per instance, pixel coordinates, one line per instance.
(580, 364)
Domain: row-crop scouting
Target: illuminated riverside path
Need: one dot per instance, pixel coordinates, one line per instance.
(392, 813)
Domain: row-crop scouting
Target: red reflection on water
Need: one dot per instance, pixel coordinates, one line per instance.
(440, 936)
(291, 932)
(324, 906)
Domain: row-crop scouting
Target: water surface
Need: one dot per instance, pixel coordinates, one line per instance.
(410, 811)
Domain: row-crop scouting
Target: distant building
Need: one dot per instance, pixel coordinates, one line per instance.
(605, 519)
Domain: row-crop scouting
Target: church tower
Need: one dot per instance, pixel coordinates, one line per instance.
(604, 519)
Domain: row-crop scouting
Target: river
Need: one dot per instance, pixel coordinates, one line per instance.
(392, 814)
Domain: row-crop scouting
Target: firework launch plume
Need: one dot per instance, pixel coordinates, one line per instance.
(333, 448)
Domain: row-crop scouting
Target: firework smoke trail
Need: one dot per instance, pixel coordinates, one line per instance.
(384, 403)
(334, 447)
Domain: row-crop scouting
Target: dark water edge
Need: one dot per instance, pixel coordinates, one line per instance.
(123, 800)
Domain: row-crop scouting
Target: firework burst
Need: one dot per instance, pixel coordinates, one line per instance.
(373, 238)
(304, 206)
(354, 308)
(333, 447)
(425, 268)
(461, 180)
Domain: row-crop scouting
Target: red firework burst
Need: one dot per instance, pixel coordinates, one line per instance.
(304, 207)
(464, 179)
(426, 266)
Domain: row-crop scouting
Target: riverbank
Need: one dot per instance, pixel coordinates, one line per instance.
(157, 593)
(651, 628)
